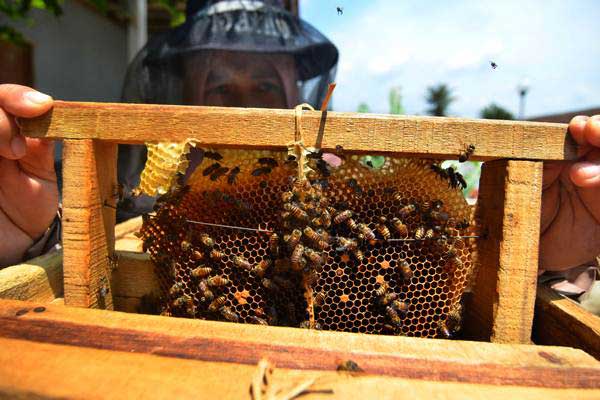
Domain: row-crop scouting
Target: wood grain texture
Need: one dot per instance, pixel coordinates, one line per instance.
(89, 179)
(133, 278)
(39, 279)
(403, 357)
(509, 204)
(271, 128)
(56, 371)
(560, 321)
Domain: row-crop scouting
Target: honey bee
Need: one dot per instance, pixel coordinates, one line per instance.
(358, 254)
(315, 238)
(464, 156)
(218, 173)
(185, 245)
(439, 216)
(205, 292)
(347, 244)
(216, 255)
(349, 365)
(393, 315)
(405, 270)
(261, 268)
(197, 255)
(407, 210)
(383, 229)
(232, 175)
(342, 216)
(217, 303)
(228, 314)
(419, 233)
(206, 240)
(217, 281)
(351, 224)
(381, 290)
(319, 299)
(426, 206)
(213, 155)
(464, 224)
(325, 218)
(201, 272)
(400, 227)
(297, 254)
(270, 285)
(293, 239)
(400, 306)
(176, 289)
(311, 278)
(296, 211)
(304, 325)
(429, 234)
(313, 257)
(209, 170)
(258, 321)
(242, 263)
(283, 282)
(261, 171)
(183, 301)
(388, 298)
(271, 162)
(449, 252)
(366, 231)
(274, 245)
(444, 331)
(286, 197)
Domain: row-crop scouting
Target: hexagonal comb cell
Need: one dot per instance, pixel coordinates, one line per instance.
(394, 261)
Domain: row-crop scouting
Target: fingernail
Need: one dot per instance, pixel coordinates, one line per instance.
(590, 171)
(37, 97)
(17, 145)
(582, 118)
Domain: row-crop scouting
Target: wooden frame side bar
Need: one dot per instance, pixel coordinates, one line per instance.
(432, 137)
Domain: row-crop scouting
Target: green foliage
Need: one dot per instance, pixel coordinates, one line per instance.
(439, 99)
(177, 16)
(494, 111)
(8, 34)
(396, 101)
(363, 108)
(18, 10)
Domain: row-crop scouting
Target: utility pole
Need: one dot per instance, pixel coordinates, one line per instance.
(522, 88)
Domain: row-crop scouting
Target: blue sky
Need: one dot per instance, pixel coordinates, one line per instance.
(553, 44)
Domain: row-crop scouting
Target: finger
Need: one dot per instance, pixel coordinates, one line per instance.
(39, 160)
(592, 131)
(23, 101)
(587, 173)
(12, 143)
(576, 128)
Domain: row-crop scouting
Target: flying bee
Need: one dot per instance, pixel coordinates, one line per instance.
(176, 289)
(185, 245)
(393, 315)
(206, 240)
(242, 263)
(388, 298)
(464, 156)
(274, 245)
(261, 268)
(381, 290)
(183, 301)
(297, 254)
(347, 244)
(213, 155)
(232, 175)
(286, 197)
(342, 216)
(228, 314)
(197, 255)
(400, 227)
(313, 257)
(270, 285)
(261, 171)
(205, 292)
(419, 233)
(405, 270)
(271, 162)
(319, 299)
(353, 184)
(258, 321)
(383, 229)
(400, 306)
(201, 272)
(217, 281)
(217, 303)
(218, 173)
(493, 65)
(366, 231)
(407, 210)
(340, 10)
(293, 239)
(209, 170)
(296, 211)
(216, 255)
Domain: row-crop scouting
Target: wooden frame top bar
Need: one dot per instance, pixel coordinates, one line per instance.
(432, 137)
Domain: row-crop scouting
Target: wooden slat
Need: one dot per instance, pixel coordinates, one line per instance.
(269, 128)
(560, 321)
(133, 278)
(502, 305)
(39, 279)
(403, 357)
(89, 179)
(58, 371)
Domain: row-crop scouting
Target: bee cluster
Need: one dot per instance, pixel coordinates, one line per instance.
(350, 248)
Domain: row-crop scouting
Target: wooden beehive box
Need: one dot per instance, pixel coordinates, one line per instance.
(500, 309)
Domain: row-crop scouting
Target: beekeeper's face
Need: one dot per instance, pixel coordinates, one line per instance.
(236, 79)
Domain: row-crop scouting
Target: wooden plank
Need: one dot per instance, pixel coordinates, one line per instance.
(39, 279)
(89, 181)
(58, 371)
(133, 278)
(270, 128)
(403, 357)
(509, 204)
(560, 321)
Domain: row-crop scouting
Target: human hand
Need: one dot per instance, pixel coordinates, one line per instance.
(28, 189)
(570, 226)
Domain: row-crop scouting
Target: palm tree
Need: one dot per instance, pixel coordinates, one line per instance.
(439, 98)
(494, 111)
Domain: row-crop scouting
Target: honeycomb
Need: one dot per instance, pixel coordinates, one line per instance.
(365, 279)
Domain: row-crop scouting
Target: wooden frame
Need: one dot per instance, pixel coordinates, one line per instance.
(504, 301)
